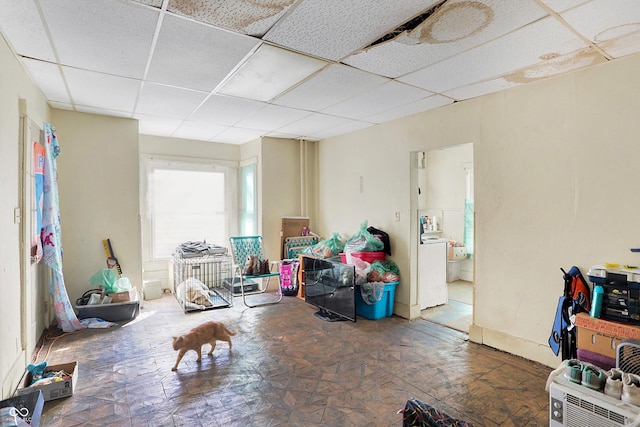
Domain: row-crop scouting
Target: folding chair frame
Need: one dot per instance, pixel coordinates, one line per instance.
(241, 248)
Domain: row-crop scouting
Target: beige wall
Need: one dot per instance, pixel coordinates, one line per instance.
(555, 186)
(280, 189)
(555, 181)
(20, 314)
(99, 197)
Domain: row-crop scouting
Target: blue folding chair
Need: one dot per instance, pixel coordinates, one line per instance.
(242, 249)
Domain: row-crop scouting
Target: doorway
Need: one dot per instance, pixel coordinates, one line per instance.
(445, 199)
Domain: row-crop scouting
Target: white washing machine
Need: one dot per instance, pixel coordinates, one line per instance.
(432, 272)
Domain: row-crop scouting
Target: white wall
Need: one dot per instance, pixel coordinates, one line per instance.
(99, 197)
(555, 185)
(18, 306)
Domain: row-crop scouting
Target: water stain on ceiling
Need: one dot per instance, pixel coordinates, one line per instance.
(553, 64)
(454, 22)
(251, 17)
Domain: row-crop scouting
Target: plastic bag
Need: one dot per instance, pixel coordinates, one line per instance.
(106, 278)
(363, 241)
(122, 284)
(384, 271)
(327, 248)
(383, 237)
(362, 270)
(372, 292)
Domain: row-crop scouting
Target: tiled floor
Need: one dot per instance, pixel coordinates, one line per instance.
(289, 368)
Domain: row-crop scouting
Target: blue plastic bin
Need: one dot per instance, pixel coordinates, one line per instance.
(382, 308)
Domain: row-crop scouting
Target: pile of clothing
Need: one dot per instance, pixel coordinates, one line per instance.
(198, 249)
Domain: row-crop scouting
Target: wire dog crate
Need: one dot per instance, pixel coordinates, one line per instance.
(209, 270)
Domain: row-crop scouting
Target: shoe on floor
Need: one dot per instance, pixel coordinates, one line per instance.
(593, 377)
(613, 383)
(630, 389)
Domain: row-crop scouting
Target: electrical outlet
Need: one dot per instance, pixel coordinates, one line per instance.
(397, 216)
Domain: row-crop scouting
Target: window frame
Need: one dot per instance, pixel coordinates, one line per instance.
(150, 163)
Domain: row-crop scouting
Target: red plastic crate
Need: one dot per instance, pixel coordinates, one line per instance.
(365, 256)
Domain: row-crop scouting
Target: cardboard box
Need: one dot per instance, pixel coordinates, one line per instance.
(291, 227)
(597, 342)
(31, 404)
(603, 336)
(55, 390)
(457, 252)
(607, 327)
(130, 295)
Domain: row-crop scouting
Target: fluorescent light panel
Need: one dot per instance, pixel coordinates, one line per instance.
(269, 72)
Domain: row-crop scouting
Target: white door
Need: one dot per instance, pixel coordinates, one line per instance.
(432, 273)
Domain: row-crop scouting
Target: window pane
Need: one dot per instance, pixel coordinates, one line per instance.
(248, 214)
(187, 206)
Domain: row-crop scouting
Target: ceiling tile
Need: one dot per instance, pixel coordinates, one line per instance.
(622, 46)
(378, 100)
(101, 90)
(483, 88)
(21, 22)
(246, 17)
(159, 126)
(313, 123)
(153, 98)
(271, 117)
(113, 37)
(281, 135)
(154, 3)
(615, 29)
(335, 31)
(454, 28)
(60, 105)
(102, 111)
(410, 109)
(352, 126)
(525, 47)
(198, 130)
(563, 5)
(328, 87)
(47, 76)
(225, 110)
(196, 56)
(268, 72)
(233, 135)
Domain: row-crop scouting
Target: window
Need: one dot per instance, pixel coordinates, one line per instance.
(248, 200)
(468, 212)
(186, 202)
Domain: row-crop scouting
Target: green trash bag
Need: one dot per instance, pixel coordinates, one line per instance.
(106, 278)
(363, 241)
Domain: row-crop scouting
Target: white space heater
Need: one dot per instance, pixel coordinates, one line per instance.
(573, 405)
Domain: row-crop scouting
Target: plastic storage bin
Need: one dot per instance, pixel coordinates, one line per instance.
(110, 312)
(382, 308)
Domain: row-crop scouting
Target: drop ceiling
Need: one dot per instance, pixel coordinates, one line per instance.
(232, 71)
